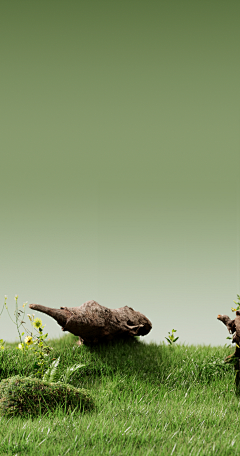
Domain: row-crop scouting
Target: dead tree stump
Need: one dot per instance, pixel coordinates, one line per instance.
(233, 327)
(94, 323)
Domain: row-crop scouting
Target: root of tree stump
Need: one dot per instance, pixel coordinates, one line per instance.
(233, 327)
(94, 323)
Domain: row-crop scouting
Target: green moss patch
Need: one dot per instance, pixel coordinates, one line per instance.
(31, 396)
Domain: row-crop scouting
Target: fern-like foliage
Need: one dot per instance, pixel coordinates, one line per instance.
(50, 374)
(70, 371)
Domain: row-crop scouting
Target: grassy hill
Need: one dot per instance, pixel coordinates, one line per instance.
(149, 399)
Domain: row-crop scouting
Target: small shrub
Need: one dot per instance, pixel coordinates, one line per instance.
(31, 396)
(171, 339)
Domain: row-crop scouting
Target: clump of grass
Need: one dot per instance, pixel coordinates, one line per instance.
(32, 396)
(14, 362)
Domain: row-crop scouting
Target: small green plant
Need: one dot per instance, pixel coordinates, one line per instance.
(238, 304)
(50, 374)
(171, 339)
(36, 343)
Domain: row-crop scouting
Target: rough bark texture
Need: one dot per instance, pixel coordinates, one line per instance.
(94, 323)
(233, 327)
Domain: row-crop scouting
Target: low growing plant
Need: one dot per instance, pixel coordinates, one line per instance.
(36, 342)
(51, 373)
(171, 339)
(33, 396)
(238, 304)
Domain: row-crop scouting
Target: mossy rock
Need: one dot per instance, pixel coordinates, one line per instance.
(26, 396)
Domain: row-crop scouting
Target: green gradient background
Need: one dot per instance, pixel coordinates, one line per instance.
(120, 159)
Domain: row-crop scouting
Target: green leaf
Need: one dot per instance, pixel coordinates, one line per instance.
(50, 374)
(176, 339)
(168, 340)
(70, 371)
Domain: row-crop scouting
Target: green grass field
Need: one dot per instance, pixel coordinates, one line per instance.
(149, 400)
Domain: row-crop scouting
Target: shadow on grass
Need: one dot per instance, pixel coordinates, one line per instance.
(175, 366)
(154, 364)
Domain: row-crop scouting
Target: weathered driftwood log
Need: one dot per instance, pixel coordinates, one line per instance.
(233, 327)
(93, 322)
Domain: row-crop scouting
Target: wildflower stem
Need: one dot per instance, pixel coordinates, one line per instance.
(16, 315)
(3, 308)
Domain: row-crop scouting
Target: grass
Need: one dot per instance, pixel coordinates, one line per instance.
(149, 400)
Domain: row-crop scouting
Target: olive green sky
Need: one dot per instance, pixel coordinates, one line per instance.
(120, 159)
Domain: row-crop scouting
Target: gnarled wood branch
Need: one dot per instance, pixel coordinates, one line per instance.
(94, 323)
(233, 327)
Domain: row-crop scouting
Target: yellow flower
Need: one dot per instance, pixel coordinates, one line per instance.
(20, 346)
(16, 297)
(25, 303)
(28, 340)
(37, 323)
